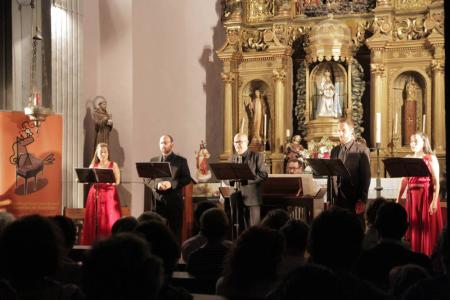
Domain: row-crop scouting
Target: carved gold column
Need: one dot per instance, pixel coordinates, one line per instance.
(376, 90)
(279, 77)
(228, 79)
(438, 131)
(383, 3)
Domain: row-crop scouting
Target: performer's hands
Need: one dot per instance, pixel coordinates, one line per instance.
(433, 207)
(360, 207)
(164, 185)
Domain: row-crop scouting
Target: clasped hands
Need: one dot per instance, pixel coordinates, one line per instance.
(164, 185)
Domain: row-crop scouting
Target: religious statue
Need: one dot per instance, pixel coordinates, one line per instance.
(257, 113)
(328, 102)
(411, 90)
(293, 149)
(103, 121)
(201, 157)
(409, 120)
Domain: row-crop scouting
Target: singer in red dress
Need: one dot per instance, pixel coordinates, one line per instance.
(422, 199)
(102, 204)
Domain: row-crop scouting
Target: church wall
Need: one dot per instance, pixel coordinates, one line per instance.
(154, 63)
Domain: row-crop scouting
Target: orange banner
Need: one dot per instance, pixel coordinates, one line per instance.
(31, 162)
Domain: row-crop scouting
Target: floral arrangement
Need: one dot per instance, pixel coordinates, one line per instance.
(320, 149)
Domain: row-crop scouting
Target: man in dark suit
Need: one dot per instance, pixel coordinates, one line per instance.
(251, 189)
(351, 192)
(167, 191)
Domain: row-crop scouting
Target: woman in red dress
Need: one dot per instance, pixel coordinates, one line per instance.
(102, 212)
(422, 199)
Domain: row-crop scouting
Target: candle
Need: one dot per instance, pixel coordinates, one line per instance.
(265, 125)
(395, 124)
(378, 128)
(424, 118)
(288, 133)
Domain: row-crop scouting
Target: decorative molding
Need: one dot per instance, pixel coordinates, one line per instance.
(227, 78)
(279, 75)
(437, 65)
(377, 69)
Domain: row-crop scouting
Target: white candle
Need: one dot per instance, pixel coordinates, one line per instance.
(424, 119)
(395, 124)
(378, 128)
(265, 125)
(288, 133)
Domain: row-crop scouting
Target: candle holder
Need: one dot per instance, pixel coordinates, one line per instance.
(378, 186)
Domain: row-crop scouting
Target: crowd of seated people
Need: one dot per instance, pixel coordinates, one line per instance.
(281, 258)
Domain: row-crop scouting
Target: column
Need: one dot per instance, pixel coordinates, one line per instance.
(438, 131)
(228, 79)
(66, 93)
(376, 90)
(279, 77)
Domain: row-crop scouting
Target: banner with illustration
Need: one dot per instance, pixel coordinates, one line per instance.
(31, 162)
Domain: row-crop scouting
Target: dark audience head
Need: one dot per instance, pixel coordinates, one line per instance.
(214, 224)
(308, 282)
(295, 234)
(6, 218)
(391, 221)
(162, 243)
(254, 257)
(151, 216)
(121, 267)
(372, 208)
(199, 210)
(275, 219)
(404, 276)
(30, 249)
(335, 239)
(68, 230)
(125, 224)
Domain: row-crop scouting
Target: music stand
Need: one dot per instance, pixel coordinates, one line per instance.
(95, 176)
(406, 167)
(238, 173)
(329, 168)
(153, 170)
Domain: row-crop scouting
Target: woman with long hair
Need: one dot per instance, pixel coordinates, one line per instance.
(102, 204)
(422, 199)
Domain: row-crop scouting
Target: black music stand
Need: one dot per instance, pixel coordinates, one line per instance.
(152, 171)
(95, 176)
(233, 172)
(406, 167)
(329, 168)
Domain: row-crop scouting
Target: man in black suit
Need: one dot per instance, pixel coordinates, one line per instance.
(251, 189)
(351, 192)
(167, 191)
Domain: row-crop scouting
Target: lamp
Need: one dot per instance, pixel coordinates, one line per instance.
(34, 109)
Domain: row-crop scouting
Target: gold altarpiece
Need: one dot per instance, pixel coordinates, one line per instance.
(300, 65)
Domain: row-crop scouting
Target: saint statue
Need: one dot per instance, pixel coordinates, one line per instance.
(256, 109)
(294, 150)
(201, 157)
(411, 90)
(103, 121)
(328, 103)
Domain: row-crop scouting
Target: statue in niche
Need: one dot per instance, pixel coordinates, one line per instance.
(256, 110)
(328, 104)
(411, 90)
(103, 121)
(409, 109)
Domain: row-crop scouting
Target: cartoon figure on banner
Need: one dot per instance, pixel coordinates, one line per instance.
(201, 157)
(28, 165)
